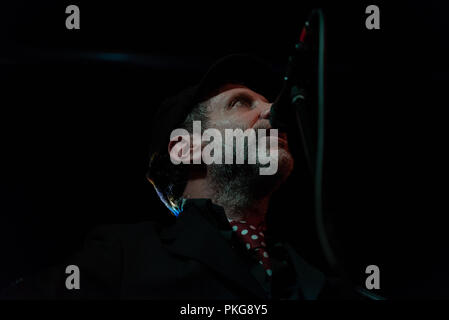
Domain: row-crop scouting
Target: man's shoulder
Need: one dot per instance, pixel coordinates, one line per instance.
(343, 289)
(317, 284)
(100, 261)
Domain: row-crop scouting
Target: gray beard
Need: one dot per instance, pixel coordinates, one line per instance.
(239, 187)
(235, 186)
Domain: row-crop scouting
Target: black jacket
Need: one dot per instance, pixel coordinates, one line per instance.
(191, 259)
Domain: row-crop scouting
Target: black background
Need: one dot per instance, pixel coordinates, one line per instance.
(76, 107)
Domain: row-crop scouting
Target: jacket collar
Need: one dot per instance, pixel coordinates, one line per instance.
(196, 234)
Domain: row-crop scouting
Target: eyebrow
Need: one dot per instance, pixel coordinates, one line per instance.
(247, 94)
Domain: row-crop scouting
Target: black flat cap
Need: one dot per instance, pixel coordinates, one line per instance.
(251, 71)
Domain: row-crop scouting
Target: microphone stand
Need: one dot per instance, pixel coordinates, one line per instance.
(305, 71)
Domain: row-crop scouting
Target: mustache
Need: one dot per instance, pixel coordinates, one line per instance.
(262, 124)
(265, 124)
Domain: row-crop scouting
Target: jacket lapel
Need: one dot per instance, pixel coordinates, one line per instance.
(194, 237)
(310, 280)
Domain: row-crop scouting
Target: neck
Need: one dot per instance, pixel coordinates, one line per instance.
(254, 213)
(236, 201)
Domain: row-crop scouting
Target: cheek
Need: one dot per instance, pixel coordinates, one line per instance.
(234, 120)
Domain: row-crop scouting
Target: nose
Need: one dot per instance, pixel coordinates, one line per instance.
(266, 112)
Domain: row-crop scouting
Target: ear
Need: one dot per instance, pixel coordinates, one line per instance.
(196, 148)
(184, 146)
(179, 147)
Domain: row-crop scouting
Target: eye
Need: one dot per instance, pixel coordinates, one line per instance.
(240, 102)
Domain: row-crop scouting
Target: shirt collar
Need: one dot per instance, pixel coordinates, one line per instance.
(213, 213)
(216, 216)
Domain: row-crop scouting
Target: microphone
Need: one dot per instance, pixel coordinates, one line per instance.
(291, 110)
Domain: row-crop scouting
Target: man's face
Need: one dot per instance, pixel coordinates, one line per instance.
(235, 106)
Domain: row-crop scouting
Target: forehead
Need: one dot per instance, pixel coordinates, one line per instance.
(229, 89)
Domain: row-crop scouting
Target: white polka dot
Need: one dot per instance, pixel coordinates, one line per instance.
(265, 255)
(269, 272)
(242, 221)
(263, 243)
(248, 246)
(261, 234)
(253, 227)
(254, 237)
(234, 228)
(260, 262)
(244, 232)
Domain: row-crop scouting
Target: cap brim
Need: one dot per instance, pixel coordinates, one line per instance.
(244, 69)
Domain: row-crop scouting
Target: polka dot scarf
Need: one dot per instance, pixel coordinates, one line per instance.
(253, 239)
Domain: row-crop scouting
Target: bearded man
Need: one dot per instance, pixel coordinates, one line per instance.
(219, 246)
